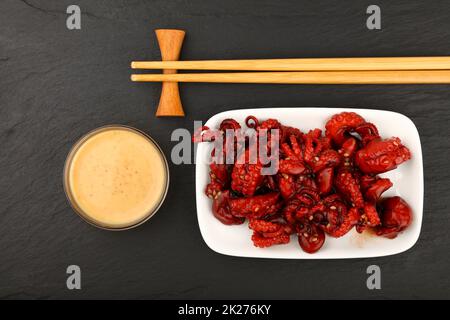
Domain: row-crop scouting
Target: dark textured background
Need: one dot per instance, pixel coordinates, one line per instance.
(57, 84)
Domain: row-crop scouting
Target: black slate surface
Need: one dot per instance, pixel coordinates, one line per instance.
(57, 84)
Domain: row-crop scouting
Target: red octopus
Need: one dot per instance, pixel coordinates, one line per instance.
(326, 184)
(396, 216)
(380, 156)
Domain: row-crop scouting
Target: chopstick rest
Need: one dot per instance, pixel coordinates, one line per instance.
(170, 42)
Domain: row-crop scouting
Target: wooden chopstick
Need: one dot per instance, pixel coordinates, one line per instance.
(331, 77)
(304, 64)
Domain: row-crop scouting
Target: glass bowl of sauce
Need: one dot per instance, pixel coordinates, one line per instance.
(116, 177)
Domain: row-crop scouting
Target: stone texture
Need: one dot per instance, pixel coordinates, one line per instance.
(57, 84)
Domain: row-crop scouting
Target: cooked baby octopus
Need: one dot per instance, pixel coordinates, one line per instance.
(326, 183)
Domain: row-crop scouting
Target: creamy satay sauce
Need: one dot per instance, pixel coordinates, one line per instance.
(117, 177)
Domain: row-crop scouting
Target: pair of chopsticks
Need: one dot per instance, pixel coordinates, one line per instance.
(386, 70)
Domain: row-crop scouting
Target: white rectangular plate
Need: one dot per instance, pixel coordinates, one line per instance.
(407, 179)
